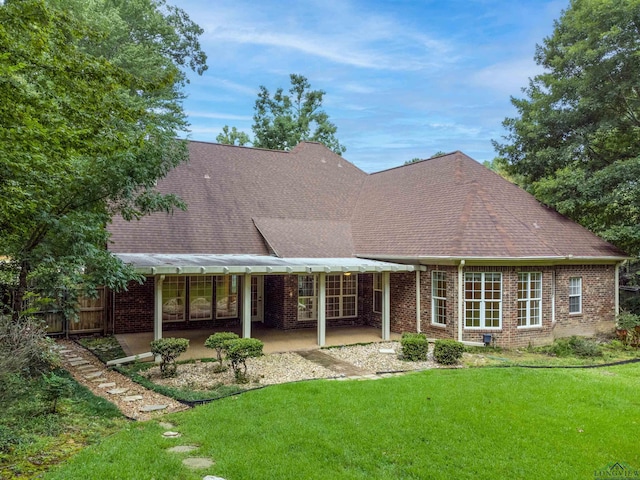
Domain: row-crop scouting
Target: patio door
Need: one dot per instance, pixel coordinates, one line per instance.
(257, 296)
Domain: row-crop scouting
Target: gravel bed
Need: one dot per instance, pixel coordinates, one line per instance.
(266, 370)
(369, 357)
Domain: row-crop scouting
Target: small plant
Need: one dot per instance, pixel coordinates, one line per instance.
(415, 346)
(448, 352)
(218, 342)
(238, 350)
(8, 439)
(55, 388)
(627, 327)
(574, 346)
(169, 349)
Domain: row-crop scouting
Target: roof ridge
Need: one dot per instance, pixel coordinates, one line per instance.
(422, 160)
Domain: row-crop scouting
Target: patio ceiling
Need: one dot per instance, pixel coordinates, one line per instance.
(195, 264)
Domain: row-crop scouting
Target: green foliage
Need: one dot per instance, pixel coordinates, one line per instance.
(91, 112)
(627, 321)
(574, 346)
(55, 388)
(169, 349)
(218, 342)
(283, 121)
(8, 439)
(448, 352)
(415, 346)
(233, 137)
(575, 143)
(24, 350)
(238, 350)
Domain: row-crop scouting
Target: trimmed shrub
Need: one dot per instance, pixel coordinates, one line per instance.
(218, 342)
(415, 346)
(238, 350)
(448, 352)
(169, 349)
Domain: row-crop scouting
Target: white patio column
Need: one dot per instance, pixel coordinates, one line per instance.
(246, 306)
(157, 317)
(386, 306)
(322, 308)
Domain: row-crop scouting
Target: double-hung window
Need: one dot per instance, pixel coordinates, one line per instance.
(307, 298)
(575, 295)
(483, 300)
(227, 296)
(439, 298)
(377, 292)
(529, 299)
(342, 292)
(173, 296)
(200, 295)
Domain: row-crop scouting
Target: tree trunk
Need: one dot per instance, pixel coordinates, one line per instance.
(21, 290)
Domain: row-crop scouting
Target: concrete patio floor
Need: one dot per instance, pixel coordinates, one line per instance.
(275, 341)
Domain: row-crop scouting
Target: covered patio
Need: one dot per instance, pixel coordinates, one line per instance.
(248, 267)
(275, 341)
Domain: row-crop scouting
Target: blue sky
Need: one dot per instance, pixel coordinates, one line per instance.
(403, 79)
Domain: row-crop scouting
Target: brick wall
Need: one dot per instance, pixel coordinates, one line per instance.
(403, 302)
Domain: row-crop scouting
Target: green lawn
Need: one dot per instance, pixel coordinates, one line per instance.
(489, 423)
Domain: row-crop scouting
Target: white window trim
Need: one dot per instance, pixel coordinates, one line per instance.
(482, 301)
(528, 300)
(342, 296)
(578, 295)
(435, 298)
(377, 281)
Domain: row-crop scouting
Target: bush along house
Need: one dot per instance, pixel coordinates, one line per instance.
(304, 239)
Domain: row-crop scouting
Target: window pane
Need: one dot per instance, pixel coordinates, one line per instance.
(173, 299)
(574, 304)
(200, 295)
(377, 301)
(227, 296)
(535, 317)
(472, 314)
(349, 285)
(333, 307)
(333, 285)
(349, 306)
(307, 308)
(306, 286)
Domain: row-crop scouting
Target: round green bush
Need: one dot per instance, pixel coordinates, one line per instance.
(448, 352)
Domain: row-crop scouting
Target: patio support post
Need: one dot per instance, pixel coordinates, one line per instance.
(460, 299)
(322, 308)
(157, 314)
(418, 315)
(246, 306)
(386, 306)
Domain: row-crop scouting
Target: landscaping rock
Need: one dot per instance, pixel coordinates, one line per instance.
(107, 385)
(77, 363)
(387, 350)
(93, 375)
(212, 477)
(171, 434)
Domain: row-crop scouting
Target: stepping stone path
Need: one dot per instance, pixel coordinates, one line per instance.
(135, 401)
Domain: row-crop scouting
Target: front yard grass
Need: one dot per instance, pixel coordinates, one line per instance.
(480, 423)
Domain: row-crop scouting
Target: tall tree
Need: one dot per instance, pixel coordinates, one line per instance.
(575, 143)
(85, 132)
(282, 121)
(233, 136)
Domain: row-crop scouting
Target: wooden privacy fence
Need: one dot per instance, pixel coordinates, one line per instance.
(91, 317)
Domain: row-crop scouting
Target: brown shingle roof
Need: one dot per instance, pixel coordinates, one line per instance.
(310, 202)
(225, 187)
(453, 206)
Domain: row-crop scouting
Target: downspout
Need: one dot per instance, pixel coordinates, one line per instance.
(460, 298)
(418, 319)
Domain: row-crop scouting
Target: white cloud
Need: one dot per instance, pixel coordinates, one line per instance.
(219, 116)
(506, 77)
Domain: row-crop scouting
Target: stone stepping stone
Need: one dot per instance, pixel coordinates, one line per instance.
(171, 434)
(152, 408)
(197, 462)
(107, 385)
(117, 391)
(132, 398)
(65, 351)
(98, 379)
(84, 368)
(212, 477)
(182, 449)
(93, 375)
(77, 363)
(166, 425)
(387, 350)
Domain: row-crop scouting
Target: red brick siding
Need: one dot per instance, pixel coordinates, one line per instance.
(403, 302)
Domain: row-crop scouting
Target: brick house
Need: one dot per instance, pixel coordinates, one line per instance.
(304, 239)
